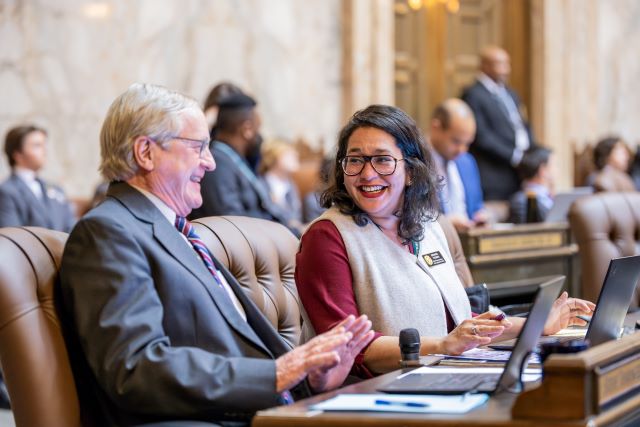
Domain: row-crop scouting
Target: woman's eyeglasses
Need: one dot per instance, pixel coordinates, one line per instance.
(383, 164)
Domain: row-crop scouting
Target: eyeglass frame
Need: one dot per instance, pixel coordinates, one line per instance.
(367, 159)
(204, 143)
(203, 147)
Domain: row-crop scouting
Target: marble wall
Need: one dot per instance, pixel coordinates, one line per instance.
(62, 63)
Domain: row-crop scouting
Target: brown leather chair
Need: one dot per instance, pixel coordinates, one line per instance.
(32, 350)
(605, 225)
(261, 254)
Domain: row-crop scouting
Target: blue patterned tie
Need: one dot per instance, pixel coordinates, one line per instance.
(186, 228)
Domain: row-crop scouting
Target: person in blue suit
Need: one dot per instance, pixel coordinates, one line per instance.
(25, 198)
(452, 130)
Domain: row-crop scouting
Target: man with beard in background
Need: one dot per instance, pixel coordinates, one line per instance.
(233, 188)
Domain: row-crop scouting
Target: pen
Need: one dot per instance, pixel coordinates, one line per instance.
(497, 313)
(406, 404)
(585, 318)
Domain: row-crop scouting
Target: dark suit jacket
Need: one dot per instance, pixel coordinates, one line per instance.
(20, 207)
(494, 143)
(161, 340)
(468, 170)
(228, 191)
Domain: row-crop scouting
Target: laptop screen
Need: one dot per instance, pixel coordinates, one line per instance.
(530, 333)
(614, 299)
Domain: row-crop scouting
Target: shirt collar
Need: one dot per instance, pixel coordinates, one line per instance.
(489, 83)
(27, 175)
(440, 161)
(165, 210)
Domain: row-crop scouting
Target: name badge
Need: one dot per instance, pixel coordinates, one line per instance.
(434, 258)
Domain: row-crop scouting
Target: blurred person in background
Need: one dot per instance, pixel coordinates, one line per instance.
(234, 188)
(279, 161)
(212, 104)
(311, 208)
(25, 198)
(611, 157)
(535, 170)
(503, 134)
(452, 130)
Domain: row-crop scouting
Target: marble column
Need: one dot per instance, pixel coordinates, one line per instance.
(367, 54)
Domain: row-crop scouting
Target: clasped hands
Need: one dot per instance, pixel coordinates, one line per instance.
(327, 358)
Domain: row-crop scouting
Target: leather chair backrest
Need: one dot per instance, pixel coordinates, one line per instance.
(261, 255)
(605, 226)
(32, 349)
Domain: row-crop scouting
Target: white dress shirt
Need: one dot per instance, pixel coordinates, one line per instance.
(28, 176)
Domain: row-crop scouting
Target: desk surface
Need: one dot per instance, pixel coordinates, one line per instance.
(496, 412)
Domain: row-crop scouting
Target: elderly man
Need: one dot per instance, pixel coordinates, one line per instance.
(503, 134)
(165, 332)
(451, 132)
(26, 199)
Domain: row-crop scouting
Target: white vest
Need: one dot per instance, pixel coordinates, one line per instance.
(396, 289)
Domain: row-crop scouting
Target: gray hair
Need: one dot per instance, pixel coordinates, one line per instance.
(142, 110)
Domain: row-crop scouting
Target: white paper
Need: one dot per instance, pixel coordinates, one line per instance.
(488, 355)
(380, 402)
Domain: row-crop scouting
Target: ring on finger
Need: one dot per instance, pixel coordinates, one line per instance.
(474, 330)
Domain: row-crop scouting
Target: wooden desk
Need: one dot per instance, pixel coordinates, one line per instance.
(514, 259)
(496, 412)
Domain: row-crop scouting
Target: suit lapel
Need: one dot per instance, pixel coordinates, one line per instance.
(37, 208)
(169, 238)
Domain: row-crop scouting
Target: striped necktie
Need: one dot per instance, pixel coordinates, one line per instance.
(186, 228)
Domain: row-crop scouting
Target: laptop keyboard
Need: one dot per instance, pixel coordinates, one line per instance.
(444, 383)
(461, 381)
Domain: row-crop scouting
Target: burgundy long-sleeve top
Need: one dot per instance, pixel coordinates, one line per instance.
(324, 282)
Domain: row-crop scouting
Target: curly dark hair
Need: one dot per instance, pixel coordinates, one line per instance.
(420, 198)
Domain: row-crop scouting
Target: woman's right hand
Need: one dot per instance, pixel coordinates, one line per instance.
(473, 333)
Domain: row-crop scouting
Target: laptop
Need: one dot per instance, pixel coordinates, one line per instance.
(612, 305)
(562, 202)
(459, 383)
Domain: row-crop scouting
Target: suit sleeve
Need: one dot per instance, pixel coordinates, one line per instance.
(487, 140)
(8, 210)
(109, 291)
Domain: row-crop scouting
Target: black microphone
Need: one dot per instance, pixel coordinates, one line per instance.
(410, 348)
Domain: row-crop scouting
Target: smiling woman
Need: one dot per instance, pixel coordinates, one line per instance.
(378, 250)
(367, 254)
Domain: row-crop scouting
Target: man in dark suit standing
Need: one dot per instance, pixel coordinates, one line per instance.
(26, 199)
(164, 331)
(451, 132)
(502, 133)
(234, 188)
